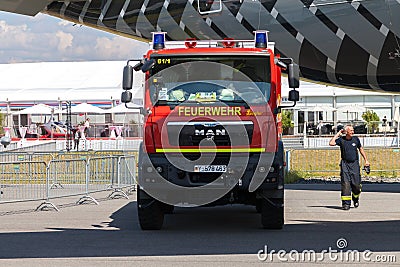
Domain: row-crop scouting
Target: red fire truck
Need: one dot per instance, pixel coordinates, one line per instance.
(211, 118)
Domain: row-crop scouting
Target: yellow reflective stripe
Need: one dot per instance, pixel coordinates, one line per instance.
(346, 197)
(197, 150)
(356, 196)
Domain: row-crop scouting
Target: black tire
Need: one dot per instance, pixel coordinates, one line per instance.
(272, 213)
(168, 209)
(150, 212)
(258, 205)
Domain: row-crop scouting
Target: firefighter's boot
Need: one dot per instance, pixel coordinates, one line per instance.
(356, 203)
(356, 197)
(346, 195)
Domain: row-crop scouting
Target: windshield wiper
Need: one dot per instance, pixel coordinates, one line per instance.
(171, 104)
(236, 102)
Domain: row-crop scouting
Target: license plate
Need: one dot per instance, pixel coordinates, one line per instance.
(210, 168)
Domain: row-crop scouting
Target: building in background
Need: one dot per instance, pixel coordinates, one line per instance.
(99, 83)
(55, 83)
(336, 105)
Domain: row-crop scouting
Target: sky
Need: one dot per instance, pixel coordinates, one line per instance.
(47, 39)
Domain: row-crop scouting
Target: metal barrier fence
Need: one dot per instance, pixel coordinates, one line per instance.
(85, 145)
(60, 155)
(59, 178)
(46, 176)
(325, 161)
(22, 181)
(124, 176)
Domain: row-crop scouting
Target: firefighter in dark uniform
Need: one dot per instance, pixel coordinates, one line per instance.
(349, 165)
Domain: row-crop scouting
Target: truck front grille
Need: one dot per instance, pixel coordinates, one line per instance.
(210, 132)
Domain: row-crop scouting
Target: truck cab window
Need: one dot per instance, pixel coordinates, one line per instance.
(233, 80)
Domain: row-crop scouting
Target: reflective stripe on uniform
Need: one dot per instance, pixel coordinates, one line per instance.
(346, 197)
(358, 195)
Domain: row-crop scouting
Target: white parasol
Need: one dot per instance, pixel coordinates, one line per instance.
(86, 108)
(39, 109)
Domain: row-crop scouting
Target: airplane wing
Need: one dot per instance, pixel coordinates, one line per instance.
(318, 36)
(28, 7)
(24, 7)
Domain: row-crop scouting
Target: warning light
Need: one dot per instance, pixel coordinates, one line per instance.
(261, 39)
(158, 40)
(228, 42)
(190, 43)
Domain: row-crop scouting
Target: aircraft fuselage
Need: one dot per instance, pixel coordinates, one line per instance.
(350, 43)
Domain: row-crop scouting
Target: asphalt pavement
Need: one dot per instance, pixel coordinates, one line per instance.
(108, 234)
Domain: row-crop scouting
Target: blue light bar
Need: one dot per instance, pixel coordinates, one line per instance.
(158, 40)
(261, 39)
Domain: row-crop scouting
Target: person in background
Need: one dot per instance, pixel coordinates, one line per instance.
(87, 126)
(319, 127)
(384, 120)
(105, 132)
(349, 165)
(77, 137)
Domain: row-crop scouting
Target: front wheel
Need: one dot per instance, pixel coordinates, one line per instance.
(258, 205)
(168, 209)
(272, 213)
(150, 211)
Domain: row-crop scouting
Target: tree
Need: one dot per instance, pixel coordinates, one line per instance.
(372, 120)
(287, 122)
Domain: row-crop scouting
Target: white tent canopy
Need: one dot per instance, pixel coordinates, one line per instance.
(321, 108)
(352, 109)
(86, 108)
(39, 109)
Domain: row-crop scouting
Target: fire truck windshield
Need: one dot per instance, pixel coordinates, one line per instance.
(232, 79)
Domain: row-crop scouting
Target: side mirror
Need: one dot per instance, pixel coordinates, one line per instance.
(142, 110)
(127, 79)
(294, 95)
(148, 65)
(138, 66)
(293, 80)
(294, 75)
(126, 97)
